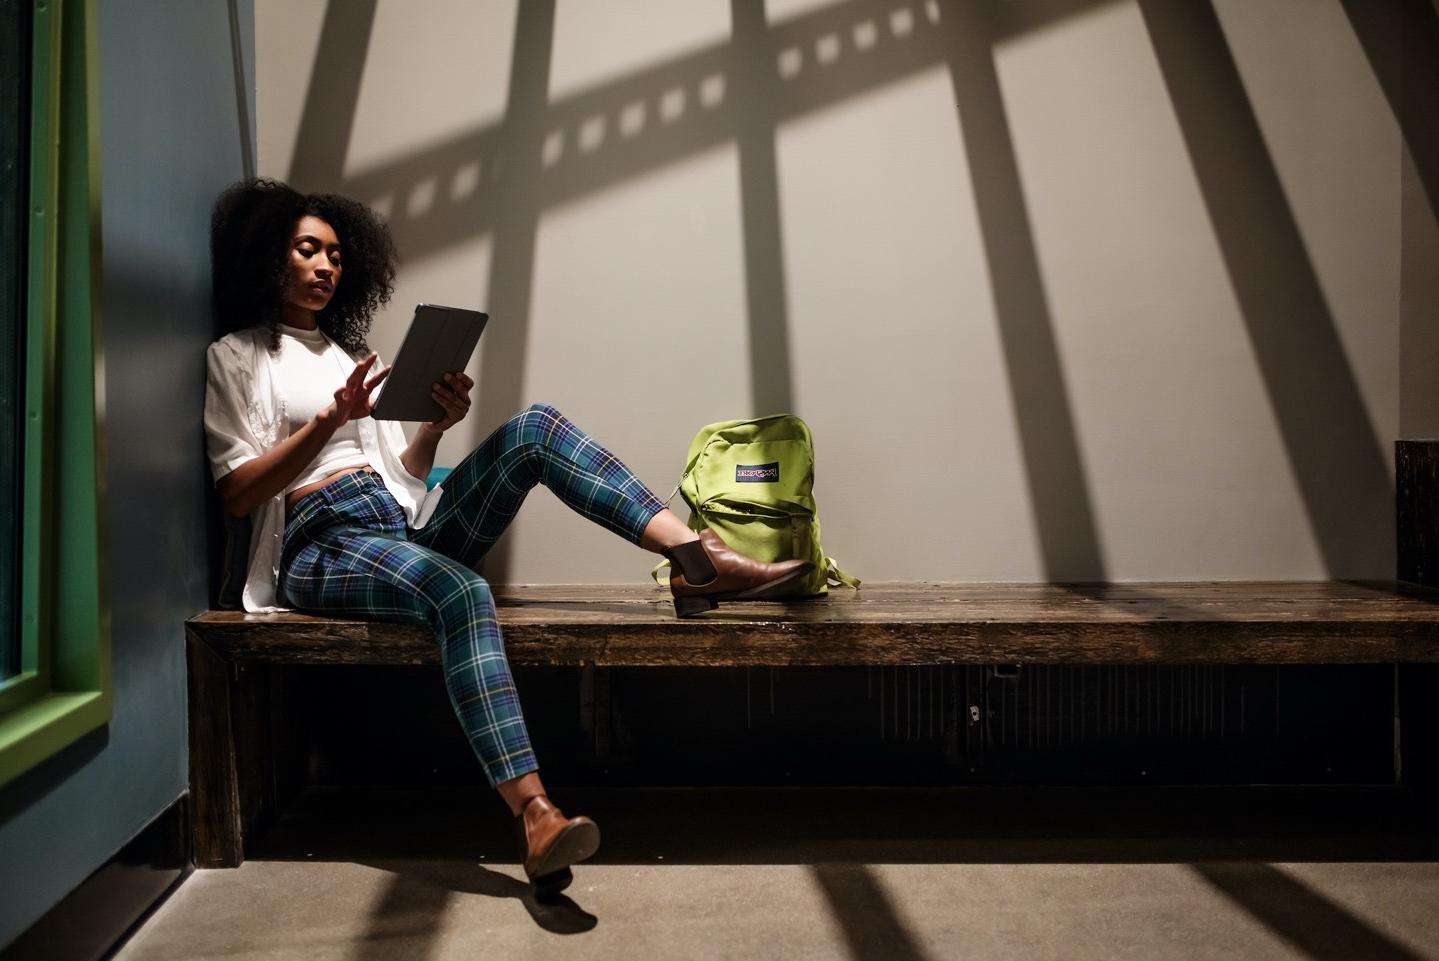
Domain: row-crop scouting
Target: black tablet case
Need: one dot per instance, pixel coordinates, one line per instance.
(440, 340)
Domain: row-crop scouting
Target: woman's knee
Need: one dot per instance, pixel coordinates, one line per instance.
(537, 424)
(474, 592)
(460, 598)
(542, 417)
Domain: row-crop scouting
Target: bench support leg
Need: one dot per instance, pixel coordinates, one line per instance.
(249, 751)
(214, 786)
(606, 739)
(1416, 470)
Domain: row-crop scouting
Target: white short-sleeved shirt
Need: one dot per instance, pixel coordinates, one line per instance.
(245, 416)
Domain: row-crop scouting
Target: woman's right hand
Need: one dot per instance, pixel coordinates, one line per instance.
(352, 400)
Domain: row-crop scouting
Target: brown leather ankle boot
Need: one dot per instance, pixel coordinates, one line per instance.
(549, 843)
(707, 571)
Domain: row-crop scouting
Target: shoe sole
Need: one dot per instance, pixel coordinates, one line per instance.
(690, 605)
(574, 845)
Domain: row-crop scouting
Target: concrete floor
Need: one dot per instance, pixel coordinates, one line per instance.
(874, 875)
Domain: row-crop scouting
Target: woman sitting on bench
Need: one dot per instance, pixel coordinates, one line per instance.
(335, 496)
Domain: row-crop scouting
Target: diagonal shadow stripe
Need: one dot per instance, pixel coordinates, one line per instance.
(1058, 488)
(242, 99)
(1320, 928)
(872, 928)
(1401, 42)
(332, 96)
(1336, 460)
(404, 922)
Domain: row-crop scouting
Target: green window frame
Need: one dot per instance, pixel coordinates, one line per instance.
(63, 690)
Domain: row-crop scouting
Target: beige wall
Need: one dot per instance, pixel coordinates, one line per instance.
(1104, 290)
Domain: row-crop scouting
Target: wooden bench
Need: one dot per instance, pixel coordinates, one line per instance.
(237, 719)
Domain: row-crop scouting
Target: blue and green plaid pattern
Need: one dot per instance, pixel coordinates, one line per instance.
(348, 550)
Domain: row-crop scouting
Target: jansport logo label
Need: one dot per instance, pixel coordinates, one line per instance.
(756, 473)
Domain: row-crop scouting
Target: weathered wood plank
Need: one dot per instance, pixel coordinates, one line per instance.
(611, 626)
(1416, 480)
(214, 781)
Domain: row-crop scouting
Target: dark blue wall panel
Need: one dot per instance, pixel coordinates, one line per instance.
(170, 140)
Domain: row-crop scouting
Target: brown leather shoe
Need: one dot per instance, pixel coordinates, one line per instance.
(549, 843)
(707, 571)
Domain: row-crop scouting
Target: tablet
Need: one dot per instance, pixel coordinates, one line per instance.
(440, 341)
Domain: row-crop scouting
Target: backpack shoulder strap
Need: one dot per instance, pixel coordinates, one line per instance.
(833, 573)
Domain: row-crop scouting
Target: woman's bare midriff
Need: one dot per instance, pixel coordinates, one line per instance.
(300, 492)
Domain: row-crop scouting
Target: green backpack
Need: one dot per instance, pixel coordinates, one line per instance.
(751, 482)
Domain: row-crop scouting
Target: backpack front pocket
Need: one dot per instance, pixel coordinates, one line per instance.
(763, 533)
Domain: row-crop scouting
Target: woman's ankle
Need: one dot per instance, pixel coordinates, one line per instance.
(517, 792)
(664, 531)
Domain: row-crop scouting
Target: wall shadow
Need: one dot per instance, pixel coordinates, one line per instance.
(766, 295)
(1007, 20)
(1336, 460)
(1059, 492)
(1401, 42)
(242, 87)
(645, 121)
(1314, 924)
(509, 178)
(31, 787)
(501, 178)
(332, 96)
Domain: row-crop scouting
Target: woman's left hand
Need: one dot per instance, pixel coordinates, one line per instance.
(452, 392)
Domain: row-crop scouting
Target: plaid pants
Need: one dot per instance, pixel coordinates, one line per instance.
(348, 550)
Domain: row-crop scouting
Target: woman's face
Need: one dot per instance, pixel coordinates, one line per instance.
(314, 264)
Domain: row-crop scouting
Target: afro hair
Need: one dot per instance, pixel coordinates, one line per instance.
(250, 231)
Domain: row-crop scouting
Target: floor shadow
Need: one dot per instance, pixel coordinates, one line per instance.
(1401, 42)
(1317, 926)
(1336, 460)
(404, 921)
(1059, 491)
(332, 96)
(420, 890)
(865, 913)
